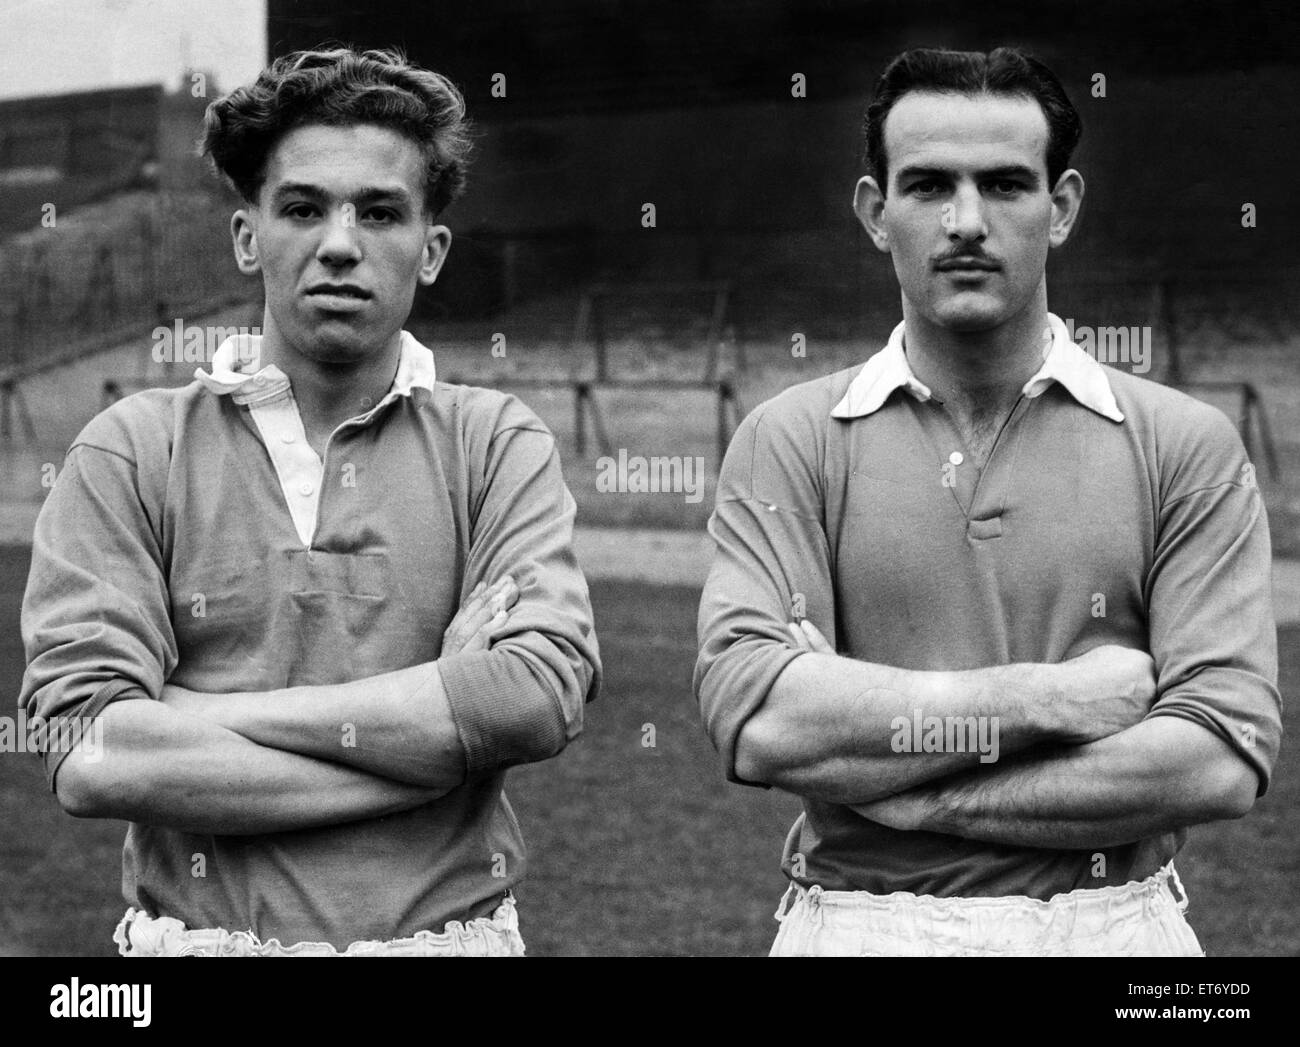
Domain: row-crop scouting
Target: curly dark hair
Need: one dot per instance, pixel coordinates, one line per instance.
(341, 87)
(1004, 71)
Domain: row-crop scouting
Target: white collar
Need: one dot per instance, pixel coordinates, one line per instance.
(236, 371)
(1063, 362)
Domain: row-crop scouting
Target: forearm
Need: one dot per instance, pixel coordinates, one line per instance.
(847, 731)
(397, 724)
(162, 767)
(1162, 774)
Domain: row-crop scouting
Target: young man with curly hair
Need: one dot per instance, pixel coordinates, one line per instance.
(318, 600)
(999, 615)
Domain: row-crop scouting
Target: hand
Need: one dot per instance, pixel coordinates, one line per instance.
(1107, 690)
(485, 611)
(808, 638)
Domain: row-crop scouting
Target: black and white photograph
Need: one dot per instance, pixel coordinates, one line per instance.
(605, 478)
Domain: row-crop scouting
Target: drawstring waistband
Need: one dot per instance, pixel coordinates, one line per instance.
(812, 896)
(1137, 918)
(139, 934)
(794, 894)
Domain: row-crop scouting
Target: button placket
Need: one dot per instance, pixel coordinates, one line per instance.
(297, 467)
(995, 479)
(941, 433)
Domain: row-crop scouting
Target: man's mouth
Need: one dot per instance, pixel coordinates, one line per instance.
(966, 262)
(339, 291)
(338, 298)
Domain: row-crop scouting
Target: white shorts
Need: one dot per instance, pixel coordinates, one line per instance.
(1142, 918)
(498, 935)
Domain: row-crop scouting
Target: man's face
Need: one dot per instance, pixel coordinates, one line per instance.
(968, 215)
(340, 236)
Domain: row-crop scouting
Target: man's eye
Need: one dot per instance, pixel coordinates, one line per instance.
(383, 215)
(926, 188)
(1006, 187)
(300, 210)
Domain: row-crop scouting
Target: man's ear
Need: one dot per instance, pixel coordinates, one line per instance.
(1067, 199)
(869, 206)
(243, 231)
(437, 242)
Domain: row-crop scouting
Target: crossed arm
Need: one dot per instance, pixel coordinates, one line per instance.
(273, 761)
(1086, 768)
(1162, 774)
(100, 639)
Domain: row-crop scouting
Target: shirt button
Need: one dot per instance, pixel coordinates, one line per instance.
(956, 458)
(287, 437)
(260, 379)
(305, 489)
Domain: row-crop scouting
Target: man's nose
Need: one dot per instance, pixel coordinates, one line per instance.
(963, 217)
(339, 244)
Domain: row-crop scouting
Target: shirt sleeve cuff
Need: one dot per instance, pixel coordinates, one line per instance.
(753, 674)
(115, 690)
(505, 713)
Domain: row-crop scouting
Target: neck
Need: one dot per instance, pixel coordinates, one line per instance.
(980, 371)
(329, 393)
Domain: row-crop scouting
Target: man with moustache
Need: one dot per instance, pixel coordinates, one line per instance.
(983, 527)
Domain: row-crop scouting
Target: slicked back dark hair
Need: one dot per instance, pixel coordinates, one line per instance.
(1004, 71)
(341, 87)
